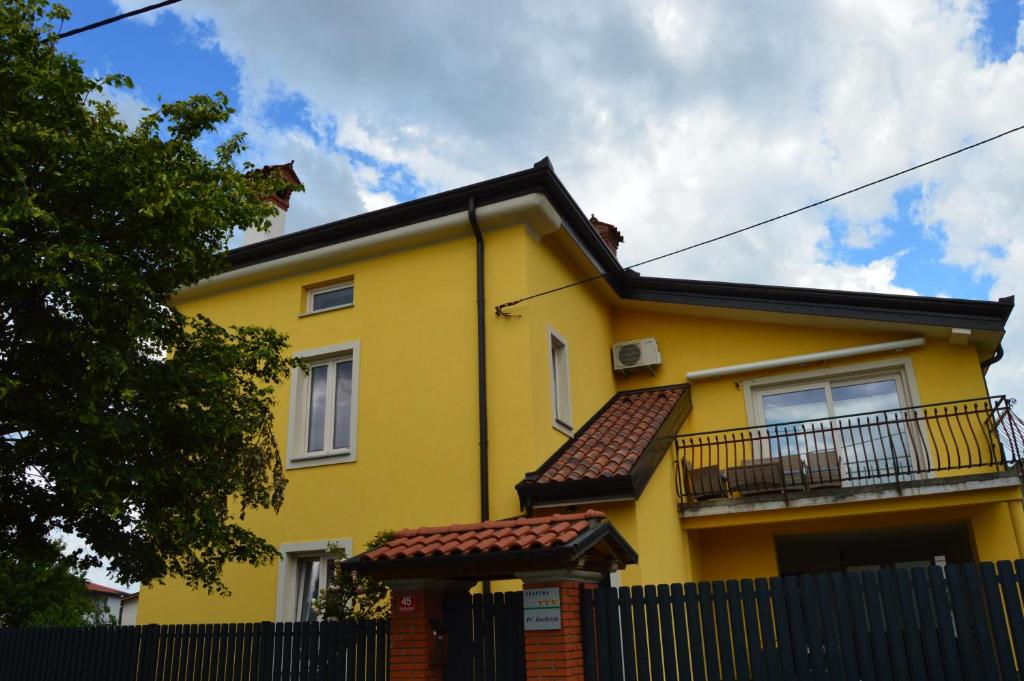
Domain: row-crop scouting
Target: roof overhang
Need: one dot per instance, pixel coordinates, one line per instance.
(599, 548)
(539, 192)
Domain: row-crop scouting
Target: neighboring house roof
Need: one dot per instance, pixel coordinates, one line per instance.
(626, 283)
(615, 453)
(130, 597)
(100, 589)
(499, 547)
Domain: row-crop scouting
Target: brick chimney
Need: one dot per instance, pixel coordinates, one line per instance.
(611, 235)
(280, 200)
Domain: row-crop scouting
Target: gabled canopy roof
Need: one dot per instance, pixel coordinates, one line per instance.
(499, 549)
(615, 453)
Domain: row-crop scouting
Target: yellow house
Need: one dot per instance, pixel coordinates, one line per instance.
(727, 430)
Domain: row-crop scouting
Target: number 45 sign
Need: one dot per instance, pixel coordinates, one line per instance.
(407, 603)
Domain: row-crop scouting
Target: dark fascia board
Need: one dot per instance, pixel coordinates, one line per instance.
(627, 284)
(952, 312)
(504, 564)
(632, 485)
(541, 178)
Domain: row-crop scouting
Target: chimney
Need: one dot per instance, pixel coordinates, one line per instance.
(611, 235)
(280, 200)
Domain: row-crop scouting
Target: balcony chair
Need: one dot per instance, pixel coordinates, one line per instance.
(706, 482)
(767, 476)
(823, 470)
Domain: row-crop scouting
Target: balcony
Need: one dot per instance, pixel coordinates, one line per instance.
(881, 450)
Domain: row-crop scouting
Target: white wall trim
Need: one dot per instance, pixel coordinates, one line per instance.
(732, 369)
(286, 570)
(295, 456)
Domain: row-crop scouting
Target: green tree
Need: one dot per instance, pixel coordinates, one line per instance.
(350, 595)
(145, 431)
(44, 588)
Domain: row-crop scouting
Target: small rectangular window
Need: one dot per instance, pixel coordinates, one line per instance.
(331, 297)
(561, 401)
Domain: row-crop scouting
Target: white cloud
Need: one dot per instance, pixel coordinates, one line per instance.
(676, 120)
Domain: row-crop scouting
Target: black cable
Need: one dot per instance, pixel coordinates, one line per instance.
(134, 12)
(500, 308)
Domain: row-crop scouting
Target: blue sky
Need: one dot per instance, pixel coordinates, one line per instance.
(674, 119)
(167, 57)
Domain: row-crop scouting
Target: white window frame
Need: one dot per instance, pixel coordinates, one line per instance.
(900, 369)
(298, 418)
(561, 390)
(327, 289)
(287, 571)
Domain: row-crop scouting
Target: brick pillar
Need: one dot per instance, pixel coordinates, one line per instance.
(557, 654)
(416, 609)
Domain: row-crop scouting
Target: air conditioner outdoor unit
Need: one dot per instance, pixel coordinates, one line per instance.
(636, 354)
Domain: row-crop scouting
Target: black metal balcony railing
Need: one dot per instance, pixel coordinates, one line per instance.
(895, 446)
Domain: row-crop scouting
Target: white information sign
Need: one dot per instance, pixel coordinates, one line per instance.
(542, 609)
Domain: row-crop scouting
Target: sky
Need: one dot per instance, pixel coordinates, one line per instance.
(675, 121)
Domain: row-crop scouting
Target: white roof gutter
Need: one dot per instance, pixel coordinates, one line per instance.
(718, 372)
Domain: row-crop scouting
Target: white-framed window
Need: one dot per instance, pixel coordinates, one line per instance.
(323, 410)
(304, 570)
(332, 297)
(837, 412)
(561, 399)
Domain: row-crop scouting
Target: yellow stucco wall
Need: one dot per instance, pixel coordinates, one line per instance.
(417, 456)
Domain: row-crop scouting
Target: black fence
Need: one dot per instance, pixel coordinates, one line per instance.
(893, 446)
(484, 637)
(940, 624)
(301, 651)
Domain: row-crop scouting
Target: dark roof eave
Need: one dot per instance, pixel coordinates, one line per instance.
(953, 312)
(539, 179)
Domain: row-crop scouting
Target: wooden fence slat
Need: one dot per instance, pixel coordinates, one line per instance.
(628, 634)
(975, 621)
(997, 622)
(653, 633)
(707, 618)
(693, 623)
(725, 659)
(615, 633)
(929, 624)
(844, 622)
(833, 649)
(589, 633)
(814, 626)
(857, 603)
(893, 623)
(755, 648)
(682, 634)
(911, 626)
(766, 620)
(739, 643)
(944, 623)
(797, 629)
(643, 658)
(787, 659)
(668, 648)
(1011, 604)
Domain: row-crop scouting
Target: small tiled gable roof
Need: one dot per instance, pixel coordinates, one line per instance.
(494, 535)
(623, 442)
(500, 548)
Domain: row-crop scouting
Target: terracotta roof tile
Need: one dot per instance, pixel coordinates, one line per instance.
(488, 537)
(612, 442)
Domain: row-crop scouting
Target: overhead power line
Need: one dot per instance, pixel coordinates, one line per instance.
(500, 309)
(104, 22)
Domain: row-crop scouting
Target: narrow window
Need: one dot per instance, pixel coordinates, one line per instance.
(324, 404)
(561, 401)
(331, 297)
(329, 408)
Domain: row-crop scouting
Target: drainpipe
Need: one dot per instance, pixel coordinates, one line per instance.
(481, 371)
(481, 362)
(998, 355)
